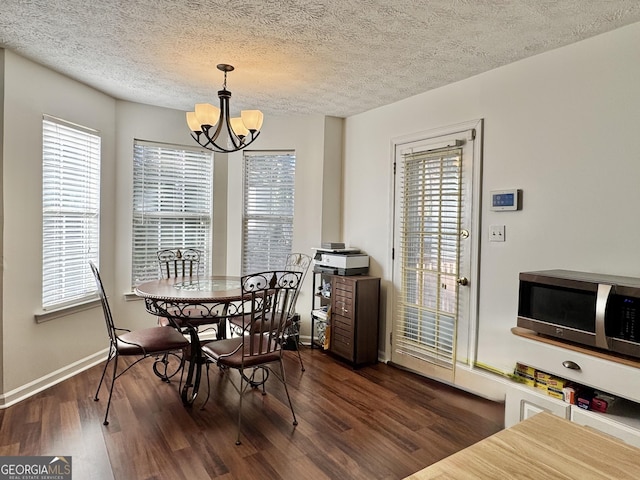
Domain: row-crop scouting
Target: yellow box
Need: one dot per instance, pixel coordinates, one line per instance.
(543, 377)
(557, 383)
(542, 386)
(524, 369)
(524, 379)
(554, 394)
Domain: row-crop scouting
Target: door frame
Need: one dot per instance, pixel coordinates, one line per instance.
(475, 231)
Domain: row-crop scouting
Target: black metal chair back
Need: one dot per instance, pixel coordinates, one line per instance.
(111, 328)
(179, 263)
(268, 297)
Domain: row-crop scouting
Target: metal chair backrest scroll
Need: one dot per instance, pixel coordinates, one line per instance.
(270, 297)
(179, 263)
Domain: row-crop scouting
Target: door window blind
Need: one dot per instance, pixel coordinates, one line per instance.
(269, 179)
(70, 211)
(429, 248)
(172, 204)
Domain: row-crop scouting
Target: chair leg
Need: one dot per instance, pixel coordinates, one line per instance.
(286, 390)
(294, 332)
(113, 381)
(241, 392)
(299, 356)
(104, 370)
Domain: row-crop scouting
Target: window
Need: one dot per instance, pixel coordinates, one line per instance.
(70, 211)
(172, 204)
(268, 209)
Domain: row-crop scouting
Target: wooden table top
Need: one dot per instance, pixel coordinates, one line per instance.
(543, 446)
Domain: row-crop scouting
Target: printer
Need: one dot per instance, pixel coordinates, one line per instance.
(341, 261)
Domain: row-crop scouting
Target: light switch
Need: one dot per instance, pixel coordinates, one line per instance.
(496, 233)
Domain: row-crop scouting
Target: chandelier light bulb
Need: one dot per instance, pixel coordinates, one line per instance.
(252, 119)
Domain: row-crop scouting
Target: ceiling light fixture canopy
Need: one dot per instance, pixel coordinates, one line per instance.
(208, 122)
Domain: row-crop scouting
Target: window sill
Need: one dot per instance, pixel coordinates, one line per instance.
(131, 297)
(45, 316)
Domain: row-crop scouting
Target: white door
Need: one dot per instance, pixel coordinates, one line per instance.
(434, 276)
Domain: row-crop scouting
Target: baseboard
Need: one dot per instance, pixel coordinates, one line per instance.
(481, 382)
(40, 384)
(474, 380)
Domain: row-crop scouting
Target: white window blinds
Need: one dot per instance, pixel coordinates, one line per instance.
(70, 211)
(429, 254)
(269, 179)
(172, 204)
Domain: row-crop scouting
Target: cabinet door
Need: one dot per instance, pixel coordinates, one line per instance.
(342, 337)
(523, 402)
(608, 423)
(343, 297)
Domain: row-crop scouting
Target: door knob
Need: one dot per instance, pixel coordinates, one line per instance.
(463, 281)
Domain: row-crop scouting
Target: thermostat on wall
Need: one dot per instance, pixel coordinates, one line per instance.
(506, 200)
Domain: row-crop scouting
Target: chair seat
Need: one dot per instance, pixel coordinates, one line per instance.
(154, 339)
(219, 351)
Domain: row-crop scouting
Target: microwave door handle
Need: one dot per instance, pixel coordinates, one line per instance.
(601, 305)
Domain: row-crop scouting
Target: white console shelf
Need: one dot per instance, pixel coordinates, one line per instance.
(611, 374)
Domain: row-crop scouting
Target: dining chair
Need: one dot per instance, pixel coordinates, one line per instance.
(147, 342)
(179, 263)
(297, 262)
(172, 263)
(265, 315)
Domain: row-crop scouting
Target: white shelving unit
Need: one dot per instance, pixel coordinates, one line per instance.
(600, 371)
(321, 301)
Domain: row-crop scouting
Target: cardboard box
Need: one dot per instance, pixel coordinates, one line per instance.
(557, 384)
(599, 405)
(524, 379)
(524, 374)
(555, 394)
(569, 395)
(525, 370)
(543, 377)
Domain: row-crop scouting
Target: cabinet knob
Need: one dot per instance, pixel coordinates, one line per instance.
(571, 365)
(463, 281)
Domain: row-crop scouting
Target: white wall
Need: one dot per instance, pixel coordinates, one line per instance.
(32, 351)
(307, 136)
(136, 121)
(563, 127)
(36, 355)
(315, 140)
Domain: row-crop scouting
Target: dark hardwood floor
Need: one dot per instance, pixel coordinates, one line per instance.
(377, 422)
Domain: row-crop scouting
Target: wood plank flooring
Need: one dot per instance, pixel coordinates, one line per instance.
(377, 422)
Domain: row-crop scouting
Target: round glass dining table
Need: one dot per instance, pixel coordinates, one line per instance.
(189, 303)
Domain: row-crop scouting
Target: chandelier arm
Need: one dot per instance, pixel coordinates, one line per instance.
(214, 147)
(207, 140)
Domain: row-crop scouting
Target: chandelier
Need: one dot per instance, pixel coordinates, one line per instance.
(208, 122)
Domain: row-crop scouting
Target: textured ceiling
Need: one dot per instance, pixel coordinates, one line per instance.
(330, 57)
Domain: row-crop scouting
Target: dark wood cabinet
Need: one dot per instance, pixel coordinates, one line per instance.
(354, 318)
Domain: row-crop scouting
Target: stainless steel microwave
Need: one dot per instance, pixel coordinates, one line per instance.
(601, 311)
